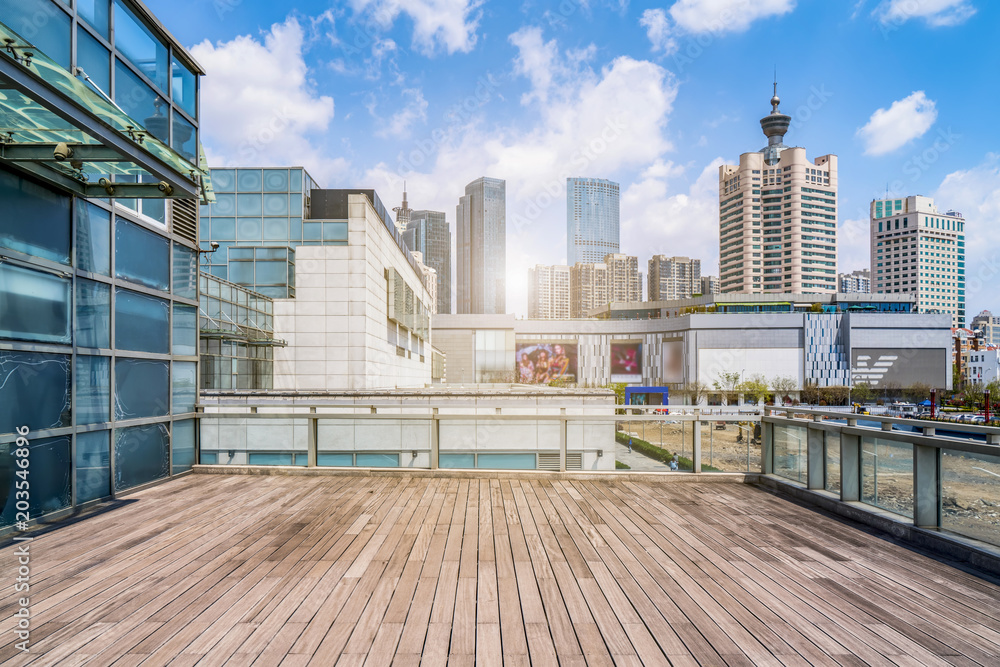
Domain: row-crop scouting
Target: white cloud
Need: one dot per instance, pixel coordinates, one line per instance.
(721, 16)
(658, 30)
(975, 193)
(907, 119)
(593, 123)
(936, 13)
(258, 105)
(448, 24)
(412, 109)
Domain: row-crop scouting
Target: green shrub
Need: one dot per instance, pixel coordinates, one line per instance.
(659, 453)
(622, 466)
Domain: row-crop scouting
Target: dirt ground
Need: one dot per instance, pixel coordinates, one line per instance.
(720, 447)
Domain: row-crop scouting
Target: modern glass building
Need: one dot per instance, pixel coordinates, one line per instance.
(481, 244)
(429, 234)
(592, 219)
(98, 252)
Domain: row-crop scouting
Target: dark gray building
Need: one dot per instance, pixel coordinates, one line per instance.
(481, 226)
(428, 233)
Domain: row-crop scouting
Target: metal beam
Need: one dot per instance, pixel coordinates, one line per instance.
(45, 152)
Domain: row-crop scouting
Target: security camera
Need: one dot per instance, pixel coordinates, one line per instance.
(62, 152)
(214, 245)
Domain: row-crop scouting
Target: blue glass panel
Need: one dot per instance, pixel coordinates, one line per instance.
(269, 459)
(185, 272)
(276, 205)
(35, 220)
(41, 23)
(301, 460)
(185, 387)
(51, 472)
(241, 272)
(276, 229)
(93, 314)
(335, 460)
(141, 455)
(312, 231)
(223, 229)
(295, 180)
(456, 460)
(33, 305)
(141, 102)
(93, 389)
(224, 180)
(141, 256)
(141, 388)
(35, 391)
(249, 180)
(140, 46)
(272, 273)
(185, 138)
(248, 229)
(185, 330)
(94, 59)
(209, 458)
(141, 322)
(93, 465)
(183, 88)
(96, 13)
(295, 229)
(295, 205)
(378, 460)
(275, 180)
(335, 231)
(240, 253)
(507, 461)
(182, 446)
(271, 253)
(93, 238)
(248, 204)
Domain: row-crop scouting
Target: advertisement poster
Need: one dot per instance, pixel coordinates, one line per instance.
(673, 361)
(626, 361)
(540, 363)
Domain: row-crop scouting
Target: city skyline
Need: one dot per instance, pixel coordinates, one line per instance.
(326, 79)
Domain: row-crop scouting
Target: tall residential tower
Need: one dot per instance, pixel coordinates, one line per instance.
(778, 217)
(428, 233)
(548, 292)
(481, 226)
(592, 219)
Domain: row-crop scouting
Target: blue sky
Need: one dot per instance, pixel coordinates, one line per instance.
(654, 96)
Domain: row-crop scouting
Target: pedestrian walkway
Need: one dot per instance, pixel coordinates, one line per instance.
(638, 461)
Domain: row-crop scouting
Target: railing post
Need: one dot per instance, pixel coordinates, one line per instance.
(926, 485)
(562, 440)
(815, 458)
(311, 457)
(696, 442)
(435, 439)
(850, 467)
(766, 444)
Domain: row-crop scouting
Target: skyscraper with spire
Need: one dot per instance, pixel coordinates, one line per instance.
(778, 217)
(403, 213)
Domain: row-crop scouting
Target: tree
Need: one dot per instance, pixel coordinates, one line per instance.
(835, 395)
(816, 308)
(810, 393)
(972, 394)
(863, 392)
(890, 390)
(729, 385)
(917, 392)
(783, 385)
(755, 389)
(956, 378)
(696, 391)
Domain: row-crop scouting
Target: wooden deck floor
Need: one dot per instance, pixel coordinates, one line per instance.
(356, 570)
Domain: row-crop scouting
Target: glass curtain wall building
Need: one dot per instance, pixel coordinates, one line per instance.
(428, 233)
(592, 219)
(98, 296)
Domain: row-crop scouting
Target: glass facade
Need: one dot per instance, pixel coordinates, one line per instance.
(264, 208)
(98, 321)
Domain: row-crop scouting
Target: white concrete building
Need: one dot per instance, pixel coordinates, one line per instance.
(915, 249)
(673, 278)
(360, 317)
(983, 365)
(778, 218)
(709, 285)
(548, 292)
(855, 282)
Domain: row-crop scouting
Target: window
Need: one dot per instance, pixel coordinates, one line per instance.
(93, 238)
(183, 88)
(93, 389)
(184, 387)
(94, 59)
(51, 478)
(93, 314)
(33, 305)
(93, 465)
(141, 102)
(35, 391)
(185, 330)
(137, 43)
(42, 24)
(141, 388)
(185, 138)
(35, 220)
(140, 322)
(96, 13)
(183, 446)
(141, 455)
(141, 256)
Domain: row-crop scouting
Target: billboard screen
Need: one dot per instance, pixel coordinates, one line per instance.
(673, 361)
(540, 363)
(899, 367)
(626, 361)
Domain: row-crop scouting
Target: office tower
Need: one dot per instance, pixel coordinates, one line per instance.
(428, 233)
(856, 282)
(481, 228)
(98, 293)
(624, 282)
(673, 278)
(778, 217)
(588, 287)
(988, 325)
(915, 249)
(403, 213)
(548, 292)
(592, 219)
(709, 285)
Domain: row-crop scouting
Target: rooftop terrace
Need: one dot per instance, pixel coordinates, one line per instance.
(484, 568)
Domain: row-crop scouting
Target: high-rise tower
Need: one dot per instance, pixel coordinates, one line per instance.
(778, 217)
(592, 219)
(403, 213)
(481, 228)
